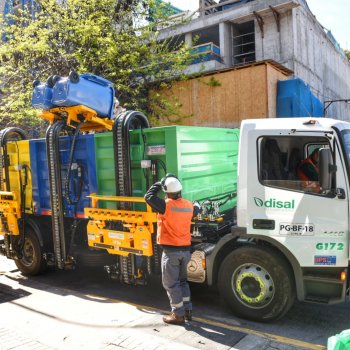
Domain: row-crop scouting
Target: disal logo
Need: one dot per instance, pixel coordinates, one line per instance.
(274, 203)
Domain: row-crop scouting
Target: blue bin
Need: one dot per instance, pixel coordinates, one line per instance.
(91, 91)
(84, 156)
(42, 97)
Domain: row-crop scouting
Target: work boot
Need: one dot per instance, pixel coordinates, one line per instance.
(188, 315)
(174, 319)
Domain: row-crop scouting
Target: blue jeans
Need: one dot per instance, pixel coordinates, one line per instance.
(174, 278)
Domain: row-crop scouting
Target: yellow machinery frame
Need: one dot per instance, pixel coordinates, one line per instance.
(77, 114)
(138, 225)
(19, 157)
(10, 212)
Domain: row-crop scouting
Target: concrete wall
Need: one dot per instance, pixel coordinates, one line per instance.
(276, 45)
(303, 46)
(320, 64)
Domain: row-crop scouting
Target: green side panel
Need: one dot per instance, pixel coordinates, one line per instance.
(204, 159)
(208, 161)
(104, 152)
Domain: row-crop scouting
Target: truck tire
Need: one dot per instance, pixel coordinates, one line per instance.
(32, 261)
(257, 283)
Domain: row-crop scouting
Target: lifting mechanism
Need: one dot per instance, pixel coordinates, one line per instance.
(57, 213)
(124, 232)
(125, 122)
(75, 115)
(71, 120)
(127, 233)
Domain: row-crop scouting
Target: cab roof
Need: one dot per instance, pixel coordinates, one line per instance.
(300, 124)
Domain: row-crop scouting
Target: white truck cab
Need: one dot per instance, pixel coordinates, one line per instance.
(292, 235)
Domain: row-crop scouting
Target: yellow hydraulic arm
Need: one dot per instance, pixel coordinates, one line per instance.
(77, 114)
(120, 232)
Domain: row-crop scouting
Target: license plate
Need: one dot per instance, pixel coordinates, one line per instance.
(291, 229)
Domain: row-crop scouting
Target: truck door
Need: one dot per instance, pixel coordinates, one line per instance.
(312, 224)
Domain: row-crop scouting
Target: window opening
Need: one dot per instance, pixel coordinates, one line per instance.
(243, 43)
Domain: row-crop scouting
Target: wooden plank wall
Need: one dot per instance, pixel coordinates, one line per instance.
(223, 99)
(273, 76)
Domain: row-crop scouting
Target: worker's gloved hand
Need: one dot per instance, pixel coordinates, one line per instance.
(158, 184)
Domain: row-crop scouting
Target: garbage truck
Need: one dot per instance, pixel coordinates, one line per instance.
(263, 236)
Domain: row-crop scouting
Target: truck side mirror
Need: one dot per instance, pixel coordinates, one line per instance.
(326, 169)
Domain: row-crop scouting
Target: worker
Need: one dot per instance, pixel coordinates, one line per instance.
(308, 172)
(308, 169)
(174, 236)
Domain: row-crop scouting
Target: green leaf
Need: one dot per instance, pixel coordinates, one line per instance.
(258, 202)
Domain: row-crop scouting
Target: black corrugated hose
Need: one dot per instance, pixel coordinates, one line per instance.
(78, 191)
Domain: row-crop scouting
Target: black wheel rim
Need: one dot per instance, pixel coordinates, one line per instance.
(29, 255)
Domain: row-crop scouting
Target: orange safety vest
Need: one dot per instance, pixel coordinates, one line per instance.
(301, 175)
(174, 226)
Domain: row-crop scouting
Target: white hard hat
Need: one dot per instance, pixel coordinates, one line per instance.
(172, 185)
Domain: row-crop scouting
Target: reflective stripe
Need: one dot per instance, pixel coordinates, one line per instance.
(176, 306)
(186, 299)
(181, 210)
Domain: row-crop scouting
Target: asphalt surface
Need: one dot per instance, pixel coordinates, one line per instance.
(84, 309)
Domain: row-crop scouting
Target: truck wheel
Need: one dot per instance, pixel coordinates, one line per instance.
(32, 261)
(256, 283)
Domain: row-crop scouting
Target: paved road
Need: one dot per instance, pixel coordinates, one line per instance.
(306, 322)
(305, 326)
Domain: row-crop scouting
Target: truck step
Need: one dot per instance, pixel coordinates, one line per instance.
(323, 279)
(317, 299)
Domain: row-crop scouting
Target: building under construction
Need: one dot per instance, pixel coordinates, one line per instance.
(236, 32)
